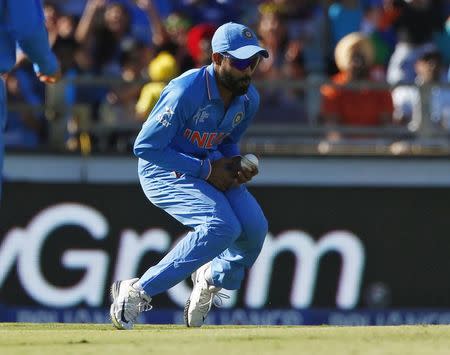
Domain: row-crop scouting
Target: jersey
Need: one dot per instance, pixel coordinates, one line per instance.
(189, 126)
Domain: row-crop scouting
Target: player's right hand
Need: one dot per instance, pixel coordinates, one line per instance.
(223, 174)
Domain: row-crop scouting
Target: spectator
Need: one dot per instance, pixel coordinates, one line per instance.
(161, 70)
(120, 100)
(442, 40)
(274, 36)
(25, 128)
(294, 34)
(66, 26)
(199, 43)
(344, 17)
(106, 38)
(51, 14)
(382, 37)
(62, 96)
(215, 12)
(170, 34)
(415, 22)
(117, 111)
(305, 24)
(408, 102)
(290, 30)
(354, 57)
(289, 105)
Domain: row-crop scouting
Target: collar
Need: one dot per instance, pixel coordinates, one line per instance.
(211, 84)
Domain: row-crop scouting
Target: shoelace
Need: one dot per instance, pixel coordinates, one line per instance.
(216, 299)
(144, 306)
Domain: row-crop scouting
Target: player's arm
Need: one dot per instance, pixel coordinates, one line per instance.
(27, 25)
(164, 122)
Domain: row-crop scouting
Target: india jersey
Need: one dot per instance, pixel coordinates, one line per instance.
(189, 126)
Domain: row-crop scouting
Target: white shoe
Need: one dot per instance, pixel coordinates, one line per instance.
(127, 303)
(199, 303)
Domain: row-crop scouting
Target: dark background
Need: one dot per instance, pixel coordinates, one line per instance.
(405, 232)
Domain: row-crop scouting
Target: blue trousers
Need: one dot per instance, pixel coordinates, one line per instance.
(228, 228)
(2, 128)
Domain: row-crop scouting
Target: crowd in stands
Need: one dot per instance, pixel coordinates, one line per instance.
(145, 43)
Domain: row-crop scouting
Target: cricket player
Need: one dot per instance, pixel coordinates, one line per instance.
(22, 24)
(189, 166)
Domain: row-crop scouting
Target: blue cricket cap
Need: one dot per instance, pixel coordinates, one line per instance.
(237, 40)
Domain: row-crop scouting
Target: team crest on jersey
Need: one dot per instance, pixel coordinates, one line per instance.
(247, 33)
(201, 115)
(237, 119)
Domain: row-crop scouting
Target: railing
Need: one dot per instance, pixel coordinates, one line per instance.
(274, 137)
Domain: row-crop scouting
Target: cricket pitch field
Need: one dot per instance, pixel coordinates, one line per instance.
(97, 339)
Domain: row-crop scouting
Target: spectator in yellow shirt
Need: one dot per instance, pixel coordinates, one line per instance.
(161, 70)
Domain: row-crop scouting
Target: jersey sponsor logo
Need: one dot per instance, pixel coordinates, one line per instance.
(201, 115)
(204, 139)
(237, 119)
(164, 118)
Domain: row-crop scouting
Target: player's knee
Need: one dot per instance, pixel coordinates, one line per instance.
(227, 230)
(257, 230)
(232, 228)
(263, 227)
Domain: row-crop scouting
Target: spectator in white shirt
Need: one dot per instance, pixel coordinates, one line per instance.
(430, 72)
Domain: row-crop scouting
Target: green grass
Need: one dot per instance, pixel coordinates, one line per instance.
(56, 339)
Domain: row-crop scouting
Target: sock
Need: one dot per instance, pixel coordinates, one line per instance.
(137, 286)
(208, 275)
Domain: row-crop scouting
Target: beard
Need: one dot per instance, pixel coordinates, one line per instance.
(238, 86)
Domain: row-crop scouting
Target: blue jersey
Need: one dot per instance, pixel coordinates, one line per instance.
(189, 126)
(22, 23)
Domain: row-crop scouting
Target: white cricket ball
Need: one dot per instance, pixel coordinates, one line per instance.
(249, 162)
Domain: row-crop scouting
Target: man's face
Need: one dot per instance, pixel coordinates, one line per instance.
(235, 74)
(358, 65)
(428, 69)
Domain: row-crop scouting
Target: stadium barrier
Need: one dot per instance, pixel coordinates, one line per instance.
(351, 241)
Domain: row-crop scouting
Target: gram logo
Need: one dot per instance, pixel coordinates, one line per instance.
(237, 119)
(23, 250)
